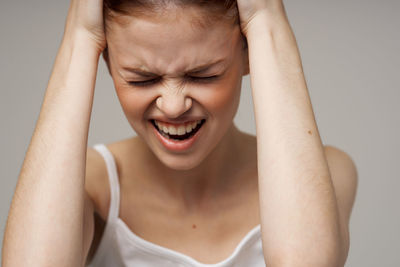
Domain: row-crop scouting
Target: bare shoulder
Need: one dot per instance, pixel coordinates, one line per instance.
(344, 176)
(96, 183)
(96, 202)
(345, 181)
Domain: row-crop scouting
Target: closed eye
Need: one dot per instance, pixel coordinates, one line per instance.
(187, 78)
(202, 79)
(144, 83)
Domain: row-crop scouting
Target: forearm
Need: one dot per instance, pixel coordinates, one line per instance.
(299, 213)
(45, 222)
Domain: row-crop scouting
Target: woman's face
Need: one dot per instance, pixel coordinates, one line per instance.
(160, 67)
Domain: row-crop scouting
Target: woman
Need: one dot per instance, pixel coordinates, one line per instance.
(191, 188)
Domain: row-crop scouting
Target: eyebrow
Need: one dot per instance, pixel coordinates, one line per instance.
(195, 70)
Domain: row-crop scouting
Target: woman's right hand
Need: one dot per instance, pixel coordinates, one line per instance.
(85, 19)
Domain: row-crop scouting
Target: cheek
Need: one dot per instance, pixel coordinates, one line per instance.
(223, 97)
(217, 99)
(133, 102)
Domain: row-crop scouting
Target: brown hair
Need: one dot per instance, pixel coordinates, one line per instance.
(213, 10)
(216, 9)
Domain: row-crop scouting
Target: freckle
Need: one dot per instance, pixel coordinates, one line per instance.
(194, 226)
(309, 132)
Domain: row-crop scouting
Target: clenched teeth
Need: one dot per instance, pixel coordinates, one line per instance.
(177, 130)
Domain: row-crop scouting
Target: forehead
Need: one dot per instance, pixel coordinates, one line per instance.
(170, 42)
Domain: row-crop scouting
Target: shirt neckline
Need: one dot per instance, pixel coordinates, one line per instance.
(158, 250)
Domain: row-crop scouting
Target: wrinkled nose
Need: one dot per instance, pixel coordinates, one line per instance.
(174, 105)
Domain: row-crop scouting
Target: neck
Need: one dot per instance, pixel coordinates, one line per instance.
(197, 187)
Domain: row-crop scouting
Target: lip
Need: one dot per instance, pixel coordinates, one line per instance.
(177, 146)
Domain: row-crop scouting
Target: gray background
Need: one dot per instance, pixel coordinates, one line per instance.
(350, 57)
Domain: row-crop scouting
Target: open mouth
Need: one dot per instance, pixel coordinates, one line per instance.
(179, 137)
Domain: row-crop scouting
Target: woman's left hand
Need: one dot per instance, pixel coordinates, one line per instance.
(249, 9)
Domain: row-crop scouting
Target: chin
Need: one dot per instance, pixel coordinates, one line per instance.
(180, 163)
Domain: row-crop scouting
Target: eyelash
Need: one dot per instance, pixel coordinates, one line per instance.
(189, 78)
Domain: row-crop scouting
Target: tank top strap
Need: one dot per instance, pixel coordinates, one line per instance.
(113, 211)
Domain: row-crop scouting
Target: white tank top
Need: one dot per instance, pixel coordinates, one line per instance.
(119, 246)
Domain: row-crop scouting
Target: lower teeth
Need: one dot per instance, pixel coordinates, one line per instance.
(175, 139)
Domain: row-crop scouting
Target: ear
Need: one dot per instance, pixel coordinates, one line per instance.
(106, 59)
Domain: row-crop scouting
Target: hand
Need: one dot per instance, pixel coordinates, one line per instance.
(249, 9)
(85, 18)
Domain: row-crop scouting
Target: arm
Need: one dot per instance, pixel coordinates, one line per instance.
(46, 218)
(299, 212)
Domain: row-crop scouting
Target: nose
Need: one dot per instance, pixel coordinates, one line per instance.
(174, 104)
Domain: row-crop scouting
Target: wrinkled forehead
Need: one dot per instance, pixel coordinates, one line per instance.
(170, 42)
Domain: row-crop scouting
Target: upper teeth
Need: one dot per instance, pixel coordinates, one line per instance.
(178, 129)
